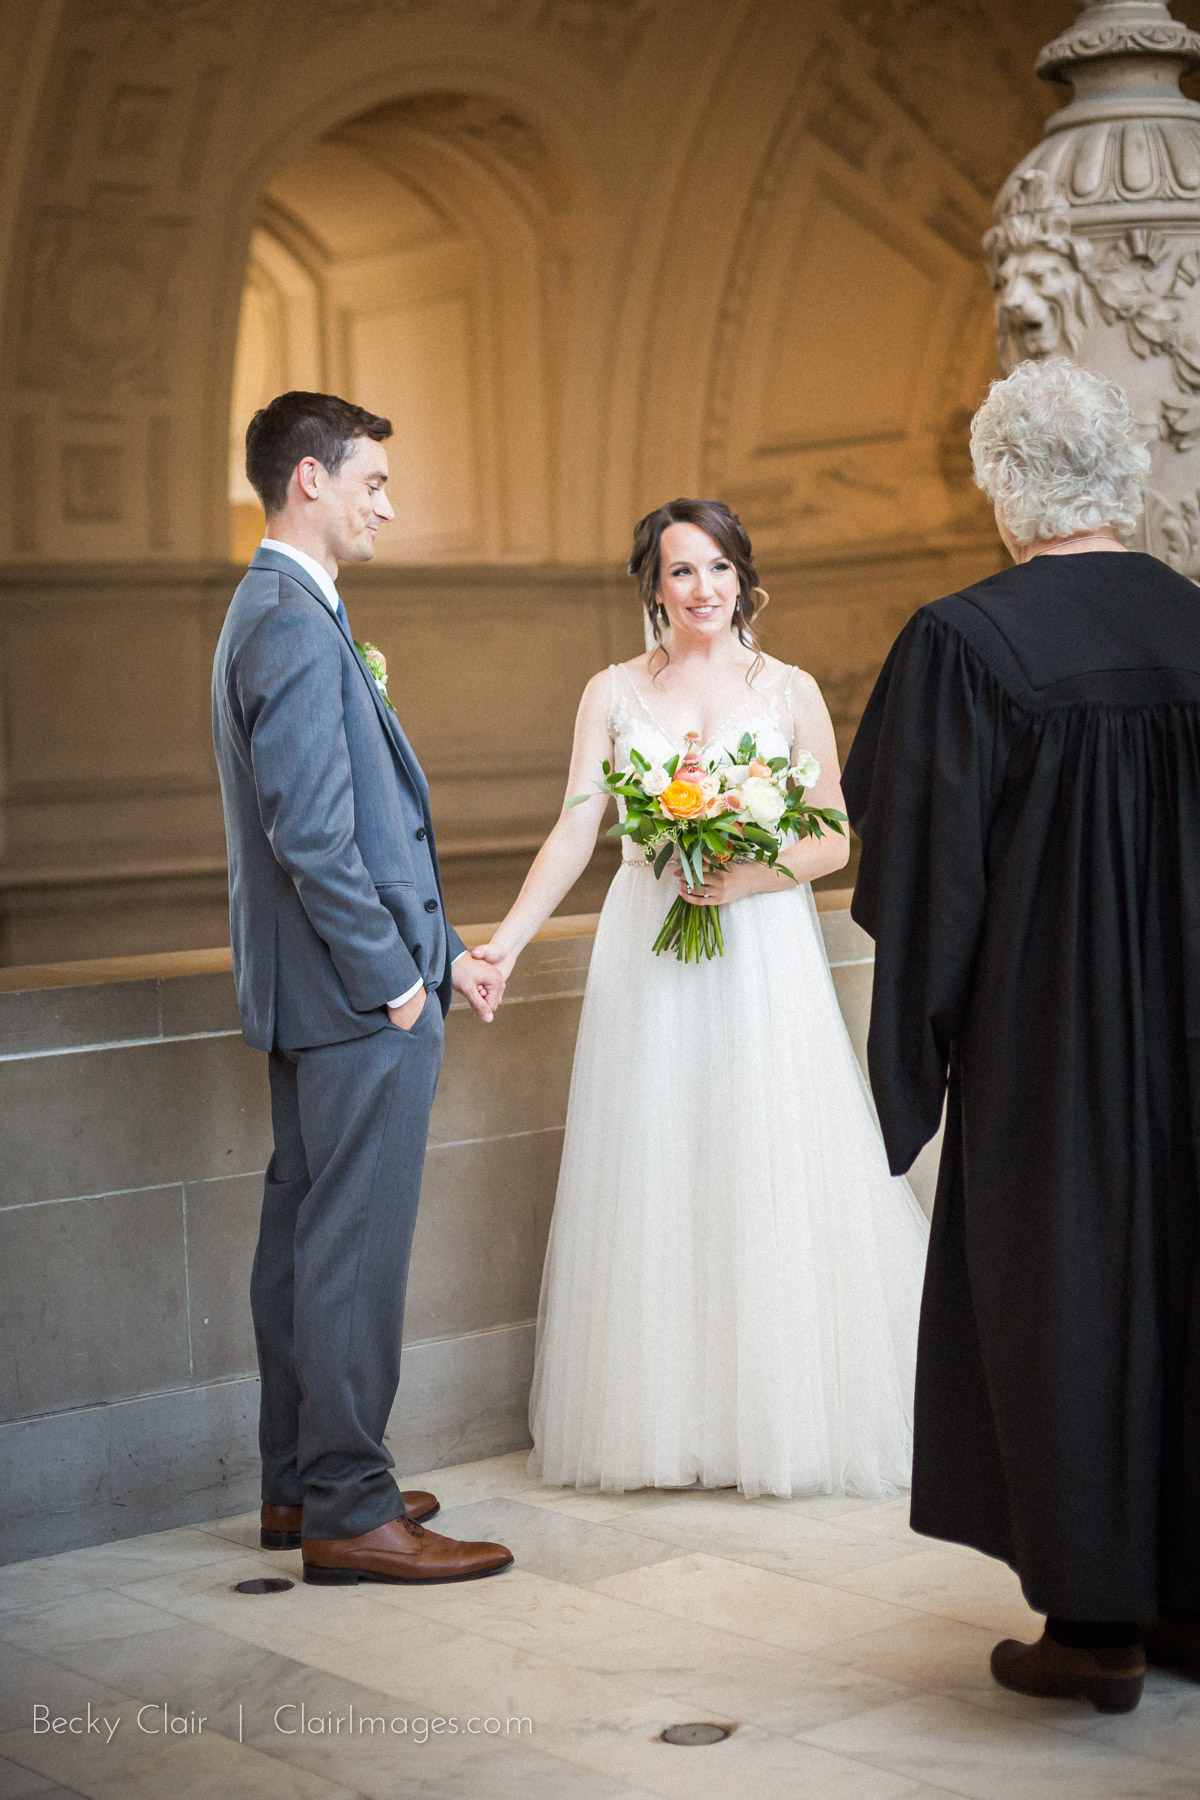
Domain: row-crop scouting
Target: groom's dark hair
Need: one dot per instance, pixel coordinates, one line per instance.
(297, 425)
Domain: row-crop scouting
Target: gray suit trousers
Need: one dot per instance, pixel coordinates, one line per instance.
(327, 1291)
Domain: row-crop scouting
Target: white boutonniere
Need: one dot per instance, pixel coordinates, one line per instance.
(376, 663)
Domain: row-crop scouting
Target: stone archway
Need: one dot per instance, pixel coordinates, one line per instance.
(407, 259)
(609, 289)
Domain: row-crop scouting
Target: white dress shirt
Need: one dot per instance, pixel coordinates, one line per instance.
(330, 594)
(309, 563)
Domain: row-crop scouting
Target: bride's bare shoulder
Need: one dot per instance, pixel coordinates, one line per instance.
(779, 676)
(598, 694)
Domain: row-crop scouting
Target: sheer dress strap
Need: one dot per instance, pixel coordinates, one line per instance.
(788, 719)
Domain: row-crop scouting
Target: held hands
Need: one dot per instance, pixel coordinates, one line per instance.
(500, 958)
(479, 982)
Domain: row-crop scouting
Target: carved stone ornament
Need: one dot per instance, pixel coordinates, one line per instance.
(97, 310)
(1129, 137)
(1095, 252)
(1039, 270)
(168, 16)
(325, 19)
(1093, 38)
(605, 30)
(953, 70)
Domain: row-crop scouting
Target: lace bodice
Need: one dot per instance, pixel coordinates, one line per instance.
(766, 711)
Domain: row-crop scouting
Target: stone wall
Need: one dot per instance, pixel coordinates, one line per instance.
(114, 820)
(134, 1135)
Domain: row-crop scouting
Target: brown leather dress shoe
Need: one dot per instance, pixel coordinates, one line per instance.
(1173, 1645)
(401, 1550)
(1110, 1679)
(279, 1526)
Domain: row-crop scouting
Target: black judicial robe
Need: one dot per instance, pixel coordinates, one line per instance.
(1026, 784)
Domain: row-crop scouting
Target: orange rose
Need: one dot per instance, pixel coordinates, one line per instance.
(682, 800)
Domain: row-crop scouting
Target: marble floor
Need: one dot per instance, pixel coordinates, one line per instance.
(850, 1655)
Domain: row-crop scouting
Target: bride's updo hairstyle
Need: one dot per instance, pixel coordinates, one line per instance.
(728, 533)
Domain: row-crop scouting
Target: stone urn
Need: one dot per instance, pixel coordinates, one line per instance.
(1095, 253)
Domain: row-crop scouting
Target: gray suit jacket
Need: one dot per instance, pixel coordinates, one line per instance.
(335, 901)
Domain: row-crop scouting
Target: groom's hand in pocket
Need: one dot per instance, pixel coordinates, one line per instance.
(405, 1017)
(480, 984)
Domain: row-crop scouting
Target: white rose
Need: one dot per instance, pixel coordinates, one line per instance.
(806, 771)
(728, 774)
(710, 787)
(656, 781)
(764, 802)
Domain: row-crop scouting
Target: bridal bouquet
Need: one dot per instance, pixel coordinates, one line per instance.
(737, 808)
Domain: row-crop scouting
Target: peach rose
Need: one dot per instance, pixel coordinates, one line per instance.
(761, 769)
(682, 800)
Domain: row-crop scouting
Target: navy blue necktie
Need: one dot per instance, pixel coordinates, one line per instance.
(341, 613)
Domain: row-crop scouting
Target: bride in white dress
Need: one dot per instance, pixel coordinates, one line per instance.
(733, 1277)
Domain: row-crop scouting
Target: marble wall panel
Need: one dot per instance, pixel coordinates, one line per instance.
(195, 1004)
(72, 1017)
(507, 1077)
(93, 1301)
(109, 1120)
(108, 694)
(104, 1472)
(221, 1224)
(462, 1398)
(481, 1233)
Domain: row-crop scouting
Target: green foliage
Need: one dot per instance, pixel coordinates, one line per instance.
(694, 932)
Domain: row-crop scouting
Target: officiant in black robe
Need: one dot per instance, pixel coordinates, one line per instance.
(1026, 784)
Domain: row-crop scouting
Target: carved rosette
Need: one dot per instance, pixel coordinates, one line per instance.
(97, 310)
(1096, 249)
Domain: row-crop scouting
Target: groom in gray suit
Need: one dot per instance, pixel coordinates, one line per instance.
(344, 963)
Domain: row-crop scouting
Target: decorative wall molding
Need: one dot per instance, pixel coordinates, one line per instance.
(755, 220)
(955, 75)
(167, 17)
(605, 31)
(322, 20)
(97, 310)
(65, 108)
(134, 123)
(93, 482)
(210, 87)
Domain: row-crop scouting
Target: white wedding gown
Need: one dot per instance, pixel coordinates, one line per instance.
(733, 1276)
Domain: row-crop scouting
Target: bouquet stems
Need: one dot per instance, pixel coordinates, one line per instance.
(692, 932)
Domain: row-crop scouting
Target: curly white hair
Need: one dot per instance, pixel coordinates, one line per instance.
(1057, 449)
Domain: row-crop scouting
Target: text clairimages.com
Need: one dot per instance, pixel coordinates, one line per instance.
(291, 1719)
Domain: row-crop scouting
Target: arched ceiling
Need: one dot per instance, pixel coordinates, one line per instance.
(606, 162)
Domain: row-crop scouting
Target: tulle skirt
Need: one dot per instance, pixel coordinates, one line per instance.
(733, 1277)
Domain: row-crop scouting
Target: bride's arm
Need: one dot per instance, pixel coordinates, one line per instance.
(567, 851)
(812, 731)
